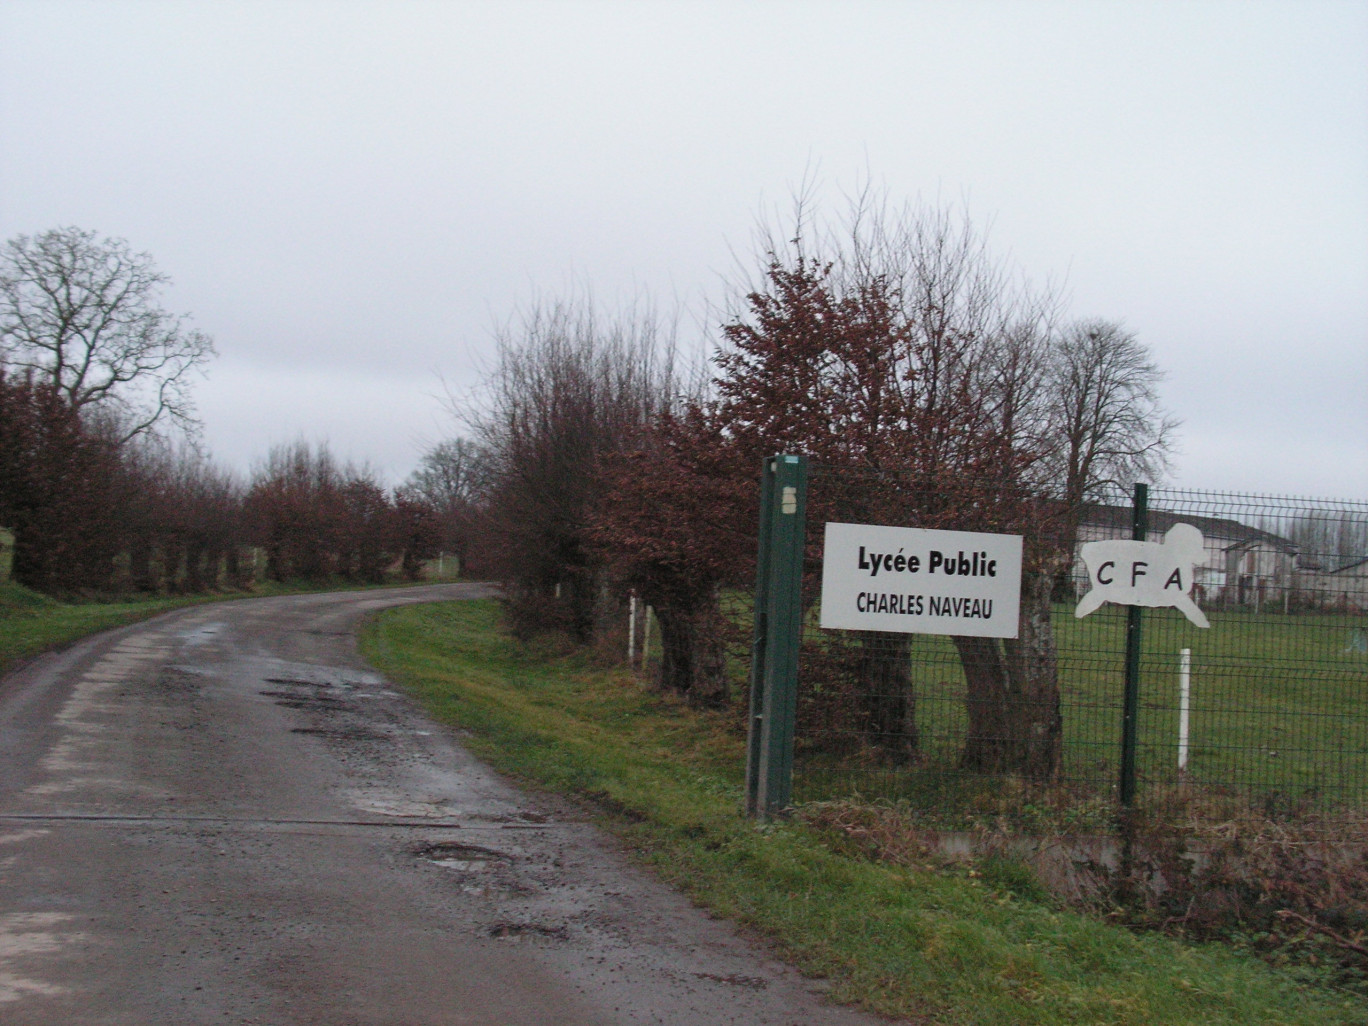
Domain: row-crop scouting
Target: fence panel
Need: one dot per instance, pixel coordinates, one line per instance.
(1276, 688)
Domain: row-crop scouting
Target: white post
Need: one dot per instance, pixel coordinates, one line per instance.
(646, 639)
(631, 631)
(1184, 697)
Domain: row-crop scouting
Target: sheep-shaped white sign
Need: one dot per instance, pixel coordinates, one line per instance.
(1143, 573)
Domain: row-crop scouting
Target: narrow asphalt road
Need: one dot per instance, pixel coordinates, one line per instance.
(224, 816)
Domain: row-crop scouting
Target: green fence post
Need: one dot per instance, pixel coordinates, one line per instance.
(757, 674)
(778, 625)
(1134, 621)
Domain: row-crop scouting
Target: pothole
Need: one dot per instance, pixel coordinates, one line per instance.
(294, 682)
(315, 702)
(515, 932)
(464, 858)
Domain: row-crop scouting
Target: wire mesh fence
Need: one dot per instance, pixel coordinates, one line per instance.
(1267, 706)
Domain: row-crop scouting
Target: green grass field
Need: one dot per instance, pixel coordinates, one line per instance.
(1279, 710)
(943, 942)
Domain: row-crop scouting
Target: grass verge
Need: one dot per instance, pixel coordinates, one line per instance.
(32, 623)
(932, 944)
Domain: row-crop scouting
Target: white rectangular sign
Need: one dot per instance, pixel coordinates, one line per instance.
(907, 580)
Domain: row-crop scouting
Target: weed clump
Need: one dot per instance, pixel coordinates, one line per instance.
(1293, 889)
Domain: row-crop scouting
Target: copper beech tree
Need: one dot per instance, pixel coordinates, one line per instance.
(59, 489)
(903, 358)
(919, 360)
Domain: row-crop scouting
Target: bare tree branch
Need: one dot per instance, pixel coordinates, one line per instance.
(84, 313)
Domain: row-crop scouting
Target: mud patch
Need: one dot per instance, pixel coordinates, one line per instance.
(341, 733)
(177, 682)
(734, 980)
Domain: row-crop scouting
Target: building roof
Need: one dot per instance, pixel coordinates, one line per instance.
(1361, 565)
(1234, 533)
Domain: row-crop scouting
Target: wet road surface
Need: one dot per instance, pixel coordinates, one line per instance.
(224, 816)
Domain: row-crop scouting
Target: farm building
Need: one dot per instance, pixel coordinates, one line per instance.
(1347, 587)
(1244, 566)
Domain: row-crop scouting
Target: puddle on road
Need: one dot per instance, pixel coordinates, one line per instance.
(516, 820)
(337, 678)
(317, 703)
(400, 805)
(201, 635)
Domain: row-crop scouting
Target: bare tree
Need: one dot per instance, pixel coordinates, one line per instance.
(84, 314)
(450, 474)
(568, 388)
(1108, 426)
(1111, 424)
(449, 482)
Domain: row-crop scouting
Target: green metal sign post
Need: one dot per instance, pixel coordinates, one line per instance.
(778, 625)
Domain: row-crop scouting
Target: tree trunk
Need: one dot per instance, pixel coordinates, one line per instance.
(194, 567)
(233, 565)
(140, 564)
(1015, 724)
(30, 559)
(885, 685)
(580, 604)
(276, 566)
(693, 655)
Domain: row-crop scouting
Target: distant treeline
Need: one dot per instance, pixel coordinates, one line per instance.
(93, 514)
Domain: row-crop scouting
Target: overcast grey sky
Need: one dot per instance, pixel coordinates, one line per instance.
(350, 197)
